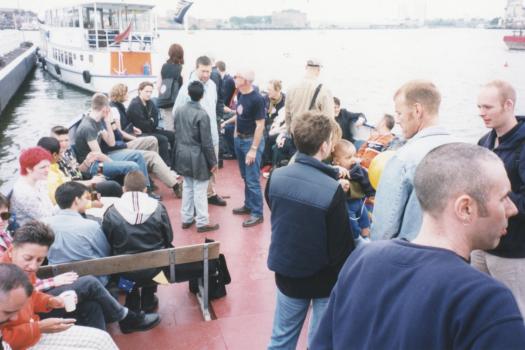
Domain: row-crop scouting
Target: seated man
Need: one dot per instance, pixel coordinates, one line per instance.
(96, 306)
(69, 166)
(18, 299)
(135, 224)
(423, 294)
(88, 139)
(76, 238)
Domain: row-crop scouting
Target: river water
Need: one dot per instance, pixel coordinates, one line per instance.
(361, 67)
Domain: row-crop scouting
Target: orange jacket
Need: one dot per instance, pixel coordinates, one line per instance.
(24, 331)
(372, 147)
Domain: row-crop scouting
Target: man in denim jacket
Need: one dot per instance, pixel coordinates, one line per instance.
(397, 212)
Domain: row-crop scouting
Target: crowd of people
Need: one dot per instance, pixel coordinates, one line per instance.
(440, 205)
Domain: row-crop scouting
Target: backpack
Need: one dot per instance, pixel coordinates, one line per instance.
(169, 89)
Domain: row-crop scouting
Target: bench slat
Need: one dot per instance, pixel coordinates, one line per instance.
(132, 262)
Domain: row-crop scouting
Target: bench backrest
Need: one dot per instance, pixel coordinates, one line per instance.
(134, 262)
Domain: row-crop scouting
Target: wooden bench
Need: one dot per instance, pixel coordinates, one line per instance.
(177, 259)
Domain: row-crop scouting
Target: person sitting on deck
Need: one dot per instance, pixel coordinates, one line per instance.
(378, 141)
(5, 215)
(144, 115)
(348, 121)
(133, 224)
(147, 145)
(68, 165)
(88, 138)
(423, 294)
(76, 238)
(194, 158)
(18, 300)
(30, 198)
(356, 186)
(30, 246)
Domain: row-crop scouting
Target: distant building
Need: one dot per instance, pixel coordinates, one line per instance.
(515, 14)
(289, 19)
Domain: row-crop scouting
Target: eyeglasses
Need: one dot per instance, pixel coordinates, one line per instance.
(5, 216)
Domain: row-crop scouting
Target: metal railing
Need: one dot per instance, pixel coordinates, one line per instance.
(106, 38)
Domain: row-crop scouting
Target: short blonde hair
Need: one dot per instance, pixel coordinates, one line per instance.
(276, 84)
(423, 92)
(505, 90)
(99, 101)
(118, 93)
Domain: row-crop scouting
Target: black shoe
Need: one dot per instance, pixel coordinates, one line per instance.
(150, 304)
(252, 221)
(186, 225)
(216, 200)
(137, 322)
(177, 189)
(241, 211)
(208, 228)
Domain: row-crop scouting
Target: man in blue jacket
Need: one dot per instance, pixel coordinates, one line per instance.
(311, 236)
(423, 294)
(506, 262)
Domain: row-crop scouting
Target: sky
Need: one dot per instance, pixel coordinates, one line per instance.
(318, 10)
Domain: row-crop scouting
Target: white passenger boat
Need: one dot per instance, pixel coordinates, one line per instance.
(95, 45)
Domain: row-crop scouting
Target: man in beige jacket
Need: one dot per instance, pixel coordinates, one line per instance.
(302, 97)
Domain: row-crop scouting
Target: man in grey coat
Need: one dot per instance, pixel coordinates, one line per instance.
(194, 159)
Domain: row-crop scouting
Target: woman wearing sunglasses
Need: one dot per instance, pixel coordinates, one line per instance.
(5, 237)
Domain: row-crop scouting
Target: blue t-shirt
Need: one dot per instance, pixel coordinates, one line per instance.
(397, 295)
(250, 107)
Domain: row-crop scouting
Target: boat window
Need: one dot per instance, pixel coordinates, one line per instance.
(70, 59)
(109, 19)
(88, 13)
(75, 56)
(90, 58)
(140, 20)
(81, 58)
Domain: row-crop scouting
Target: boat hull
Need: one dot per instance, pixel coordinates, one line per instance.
(515, 42)
(98, 82)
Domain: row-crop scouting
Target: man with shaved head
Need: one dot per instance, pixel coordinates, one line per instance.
(249, 145)
(423, 294)
(506, 262)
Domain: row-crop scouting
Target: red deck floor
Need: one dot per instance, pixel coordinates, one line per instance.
(244, 316)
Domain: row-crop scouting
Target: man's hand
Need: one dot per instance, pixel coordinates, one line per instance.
(280, 141)
(345, 184)
(65, 278)
(55, 325)
(137, 131)
(342, 171)
(250, 156)
(56, 303)
(214, 169)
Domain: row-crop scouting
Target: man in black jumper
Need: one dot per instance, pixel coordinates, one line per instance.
(311, 236)
(506, 262)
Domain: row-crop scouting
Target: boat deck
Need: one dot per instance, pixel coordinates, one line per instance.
(243, 318)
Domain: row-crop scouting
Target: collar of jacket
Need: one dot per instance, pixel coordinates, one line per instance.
(430, 131)
(311, 161)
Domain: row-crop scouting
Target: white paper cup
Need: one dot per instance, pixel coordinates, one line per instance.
(69, 300)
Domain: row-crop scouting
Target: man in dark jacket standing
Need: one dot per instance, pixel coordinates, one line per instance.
(506, 262)
(137, 223)
(194, 158)
(311, 236)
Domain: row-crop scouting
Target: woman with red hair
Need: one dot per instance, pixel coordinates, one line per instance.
(30, 199)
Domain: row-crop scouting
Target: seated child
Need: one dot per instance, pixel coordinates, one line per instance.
(357, 187)
(378, 141)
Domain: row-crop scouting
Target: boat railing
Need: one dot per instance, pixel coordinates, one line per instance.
(102, 38)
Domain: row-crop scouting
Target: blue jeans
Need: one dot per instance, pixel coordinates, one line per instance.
(253, 199)
(123, 162)
(358, 215)
(194, 200)
(290, 314)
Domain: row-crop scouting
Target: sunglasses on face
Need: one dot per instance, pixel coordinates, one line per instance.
(5, 216)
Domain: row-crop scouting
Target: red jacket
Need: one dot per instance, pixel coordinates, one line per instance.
(24, 331)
